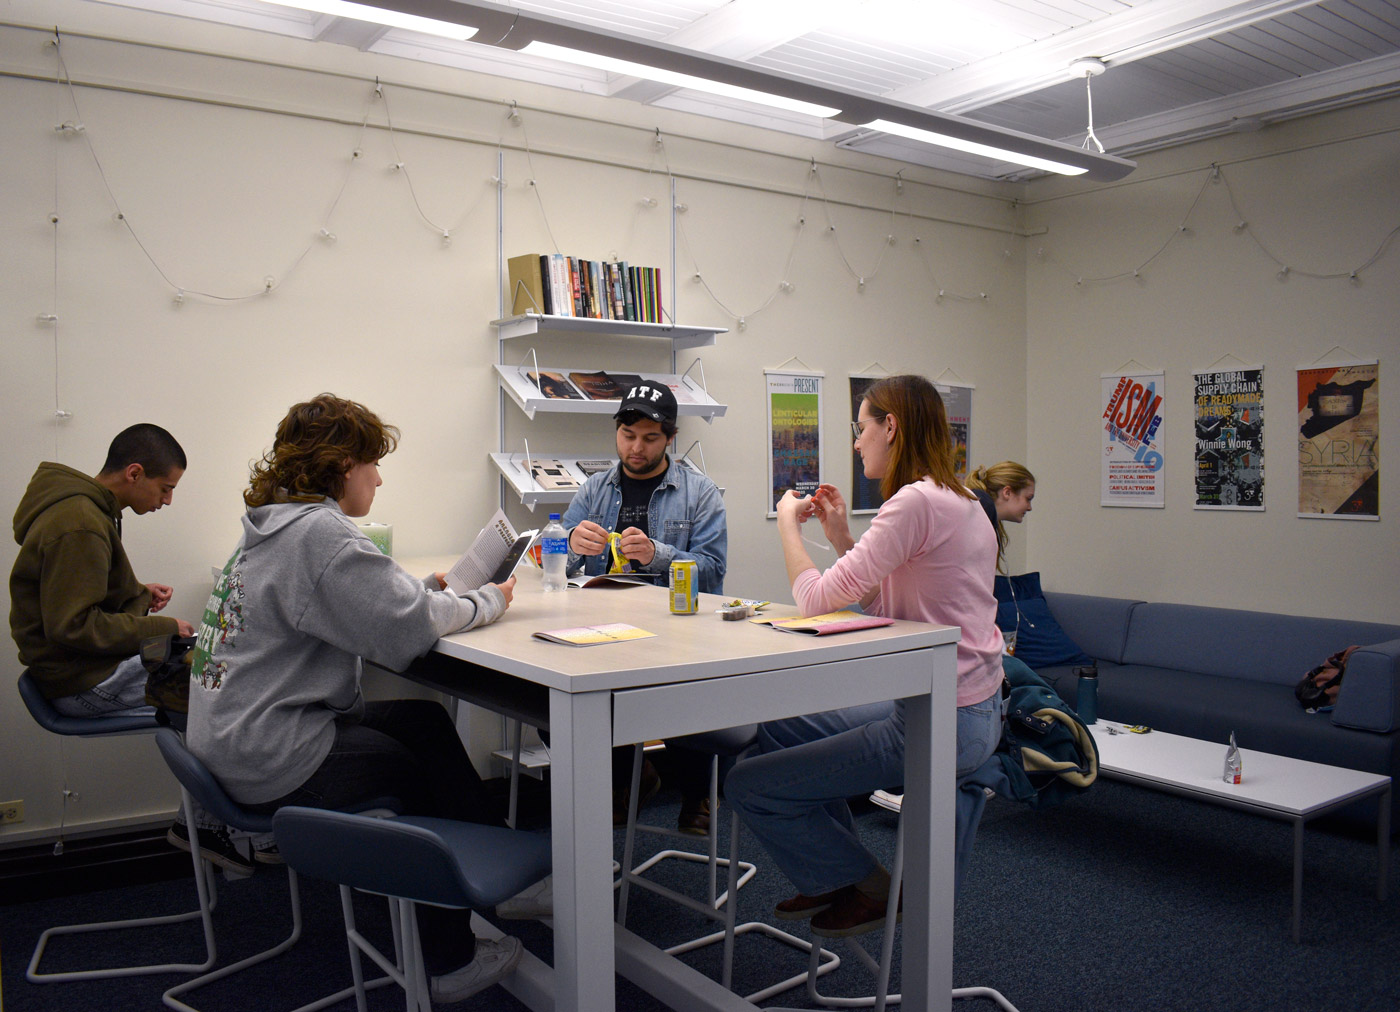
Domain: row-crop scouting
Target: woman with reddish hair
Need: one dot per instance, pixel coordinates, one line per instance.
(929, 556)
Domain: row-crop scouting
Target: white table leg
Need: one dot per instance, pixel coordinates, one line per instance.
(1383, 846)
(580, 726)
(930, 754)
(1297, 879)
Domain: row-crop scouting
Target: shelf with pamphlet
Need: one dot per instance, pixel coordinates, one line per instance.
(552, 480)
(530, 324)
(595, 391)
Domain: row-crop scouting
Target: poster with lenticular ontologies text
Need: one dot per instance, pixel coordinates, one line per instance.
(1230, 440)
(1339, 448)
(794, 433)
(1131, 468)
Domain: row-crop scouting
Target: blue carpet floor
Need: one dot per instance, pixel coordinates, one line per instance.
(1123, 899)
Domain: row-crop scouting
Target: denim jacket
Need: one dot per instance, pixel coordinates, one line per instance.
(685, 521)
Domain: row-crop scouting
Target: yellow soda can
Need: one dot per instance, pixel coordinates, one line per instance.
(685, 595)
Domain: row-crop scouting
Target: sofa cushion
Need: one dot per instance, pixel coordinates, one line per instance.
(1246, 645)
(1098, 624)
(1040, 642)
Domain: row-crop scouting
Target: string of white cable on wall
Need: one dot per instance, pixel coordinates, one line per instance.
(1215, 175)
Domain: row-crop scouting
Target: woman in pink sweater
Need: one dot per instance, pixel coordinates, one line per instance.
(929, 556)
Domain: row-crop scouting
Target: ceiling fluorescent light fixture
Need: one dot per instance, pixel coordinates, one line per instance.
(381, 16)
(973, 147)
(586, 59)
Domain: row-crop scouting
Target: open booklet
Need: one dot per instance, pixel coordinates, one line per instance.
(492, 557)
(825, 625)
(613, 580)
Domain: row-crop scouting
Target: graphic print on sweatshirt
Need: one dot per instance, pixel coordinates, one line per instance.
(223, 621)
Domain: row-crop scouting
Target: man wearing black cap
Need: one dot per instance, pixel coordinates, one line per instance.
(664, 510)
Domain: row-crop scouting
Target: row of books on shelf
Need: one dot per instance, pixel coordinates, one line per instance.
(556, 285)
(598, 386)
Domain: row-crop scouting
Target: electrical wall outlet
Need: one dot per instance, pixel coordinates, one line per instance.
(11, 811)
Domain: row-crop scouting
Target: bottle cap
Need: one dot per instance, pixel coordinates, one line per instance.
(554, 516)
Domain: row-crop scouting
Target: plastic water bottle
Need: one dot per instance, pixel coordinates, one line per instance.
(554, 554)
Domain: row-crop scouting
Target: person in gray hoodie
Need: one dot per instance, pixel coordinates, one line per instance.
(276, 711)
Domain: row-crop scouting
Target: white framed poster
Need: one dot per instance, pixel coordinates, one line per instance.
(794, 433)
(1339, 441)
(957, 404)
(1230, 439)
(1131, 466)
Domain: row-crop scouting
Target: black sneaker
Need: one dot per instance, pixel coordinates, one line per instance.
(214, 845)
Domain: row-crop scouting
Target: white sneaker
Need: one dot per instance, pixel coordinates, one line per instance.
(495, 960)
(529, 904)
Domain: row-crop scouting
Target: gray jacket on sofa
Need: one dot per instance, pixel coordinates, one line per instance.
(1204, 672)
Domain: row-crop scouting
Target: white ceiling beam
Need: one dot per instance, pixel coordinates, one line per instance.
(1366, 81)
(1135, 34)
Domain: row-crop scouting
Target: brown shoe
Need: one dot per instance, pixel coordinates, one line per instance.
(800, 907)
(853, 913)
(651, 783)
(695, 816)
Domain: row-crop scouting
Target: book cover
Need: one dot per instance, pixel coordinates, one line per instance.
(830, 624)
(602, 386)
(555, 385)
(560, 286)
(629, 302)
(592, 635)
(592, 467)
(526, 284)
(577, 285)
(553, 475)
(546, 288)
(491, 557)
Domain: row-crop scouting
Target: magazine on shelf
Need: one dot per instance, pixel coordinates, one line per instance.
(592, 635)
(591, 467)
(825, 625)
(554, 385)
(553, 475)
(492, 557)
(605, 386)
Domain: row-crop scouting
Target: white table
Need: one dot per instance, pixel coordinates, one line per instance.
(1293, 790)
(697, 674)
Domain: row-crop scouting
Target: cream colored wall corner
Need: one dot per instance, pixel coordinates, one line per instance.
(1321, 194)
(227, 150)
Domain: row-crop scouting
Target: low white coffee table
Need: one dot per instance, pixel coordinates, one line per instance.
(1282, 788)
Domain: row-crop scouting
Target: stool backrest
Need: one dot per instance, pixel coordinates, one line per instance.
(438, 861)
(195, 777)
(51, 720)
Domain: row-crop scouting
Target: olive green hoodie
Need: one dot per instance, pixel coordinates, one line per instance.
(76, 607)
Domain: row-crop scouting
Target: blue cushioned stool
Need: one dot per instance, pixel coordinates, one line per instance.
(198, 784)
(94, 727)
(410, 859)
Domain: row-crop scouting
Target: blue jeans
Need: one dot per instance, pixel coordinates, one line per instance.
(124, 691)
(791, 787)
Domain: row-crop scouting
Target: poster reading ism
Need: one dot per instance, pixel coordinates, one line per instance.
(1339, 450)
(794, 434)
(1230, 440)
(1131, 467)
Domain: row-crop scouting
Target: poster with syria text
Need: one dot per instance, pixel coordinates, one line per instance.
(794, 433)
(1339, 447)
(1230, 440)
(1131, 469)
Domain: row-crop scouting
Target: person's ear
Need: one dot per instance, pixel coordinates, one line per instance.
(1005, 493)
(891, 424)
(134, 473)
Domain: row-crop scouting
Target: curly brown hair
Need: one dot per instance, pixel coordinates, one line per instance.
(317, 442)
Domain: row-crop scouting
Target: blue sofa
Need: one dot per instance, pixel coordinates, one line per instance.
(1204, 672)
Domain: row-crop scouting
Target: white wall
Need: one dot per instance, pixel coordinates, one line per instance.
(1322, 194)
(226, 165)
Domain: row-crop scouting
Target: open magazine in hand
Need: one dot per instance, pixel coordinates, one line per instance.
(492, 557)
